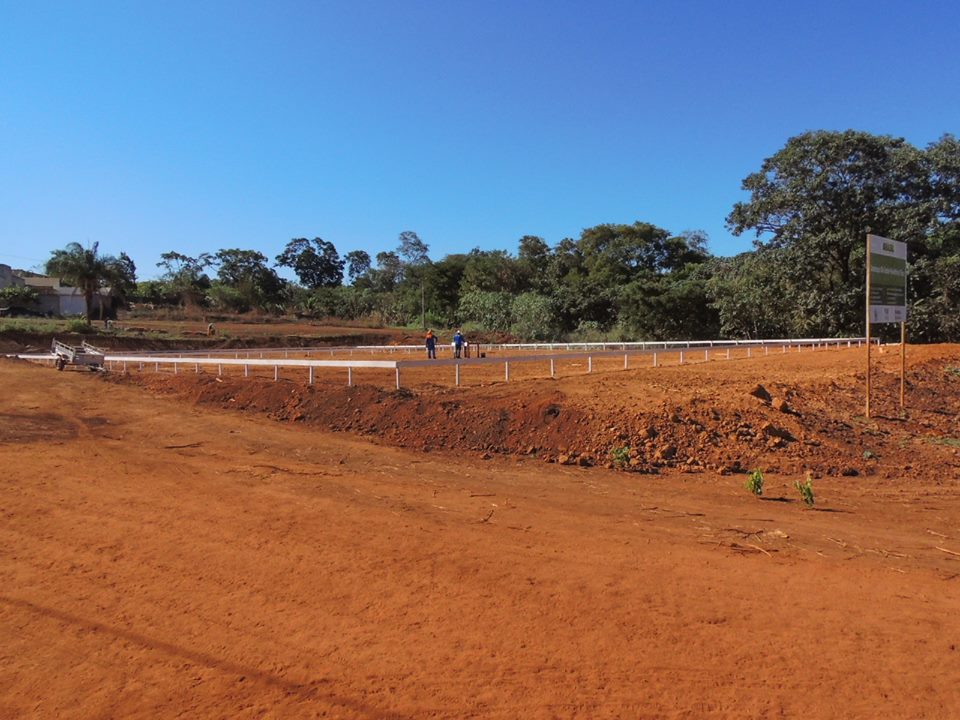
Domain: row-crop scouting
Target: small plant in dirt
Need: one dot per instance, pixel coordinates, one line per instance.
(620, 456)
(952, 371)
(869, 455)
(805, 489)
(755, 482)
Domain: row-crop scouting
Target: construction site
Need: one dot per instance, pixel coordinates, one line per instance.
(570, 536)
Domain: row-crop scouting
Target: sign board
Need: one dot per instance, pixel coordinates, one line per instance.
(887, 280)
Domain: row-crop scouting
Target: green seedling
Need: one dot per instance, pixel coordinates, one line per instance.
(806, 490)
(620, 456)
(869, 454)
(755, 482)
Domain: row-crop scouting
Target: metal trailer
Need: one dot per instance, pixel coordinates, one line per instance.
(85, 355)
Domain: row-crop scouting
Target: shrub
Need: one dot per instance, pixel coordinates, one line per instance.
(79, 326)
(25, 297)
(534, 317)
(491, 310)
(755, 482)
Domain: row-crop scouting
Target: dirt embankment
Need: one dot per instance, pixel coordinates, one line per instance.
(696, 419)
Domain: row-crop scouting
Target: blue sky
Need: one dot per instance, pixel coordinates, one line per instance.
(194, 126)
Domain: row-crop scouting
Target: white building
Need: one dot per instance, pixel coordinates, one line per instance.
(55, 298)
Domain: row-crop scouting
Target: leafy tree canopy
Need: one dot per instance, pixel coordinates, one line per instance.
(316, 262)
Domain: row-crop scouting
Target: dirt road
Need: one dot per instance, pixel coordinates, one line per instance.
(163, 559)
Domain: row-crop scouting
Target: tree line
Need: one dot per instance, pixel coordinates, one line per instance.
(810, 207)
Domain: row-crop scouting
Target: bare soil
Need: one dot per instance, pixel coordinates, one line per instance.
(195, 546)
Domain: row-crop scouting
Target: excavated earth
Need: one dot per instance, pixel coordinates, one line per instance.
(782, 414)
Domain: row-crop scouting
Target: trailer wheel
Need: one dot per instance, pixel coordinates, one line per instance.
(60, 364)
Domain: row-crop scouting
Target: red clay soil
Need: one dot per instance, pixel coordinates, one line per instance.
(162, 558)
(783, 414)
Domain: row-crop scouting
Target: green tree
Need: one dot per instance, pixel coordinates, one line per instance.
(185, 275)
(413, 250)
(750, 293)
(818, 197)
(490, 271)
(358, 264)
(533, 261)
(316, 262)
(443, 280)
(534, 317)
(492, 311)
(124, 285)
(246, 281)
(87, 269)
(388, 273)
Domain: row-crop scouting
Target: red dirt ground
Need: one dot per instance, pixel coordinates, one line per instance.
(163, 558)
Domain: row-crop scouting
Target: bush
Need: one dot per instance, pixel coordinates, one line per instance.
(534, 317)
(79, 326)
(493, 311)
(227, 299)
(25, 297)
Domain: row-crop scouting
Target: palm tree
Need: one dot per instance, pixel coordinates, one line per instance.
(84, 268)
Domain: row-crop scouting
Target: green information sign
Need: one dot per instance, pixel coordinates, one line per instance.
(887, 280)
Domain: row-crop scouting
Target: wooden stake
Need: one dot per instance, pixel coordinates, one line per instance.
(868, 326)
(903, 364)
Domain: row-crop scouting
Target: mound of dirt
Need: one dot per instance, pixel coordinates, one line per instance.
(695, 419)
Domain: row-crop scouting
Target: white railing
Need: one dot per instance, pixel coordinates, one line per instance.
(687, 352)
